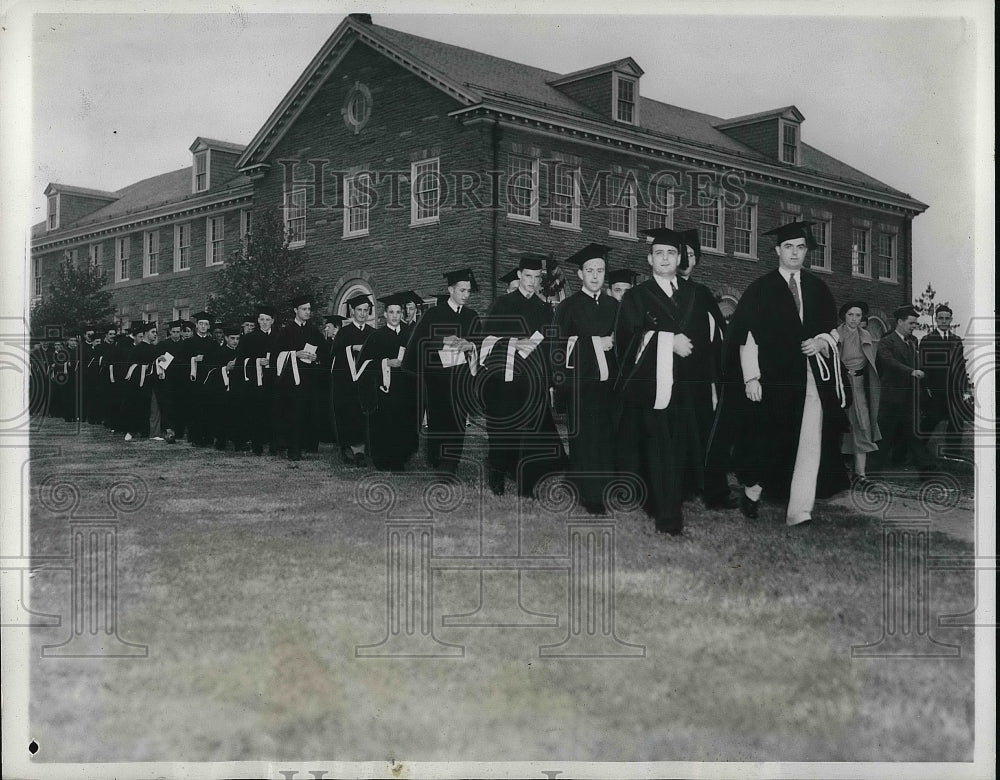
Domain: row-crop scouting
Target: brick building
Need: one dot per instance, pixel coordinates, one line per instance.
(159, 241)
(393, 158)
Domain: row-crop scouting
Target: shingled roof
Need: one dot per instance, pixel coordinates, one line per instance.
(488, 75)
(161, 190)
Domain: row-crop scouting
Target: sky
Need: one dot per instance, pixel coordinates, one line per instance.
(116, 98)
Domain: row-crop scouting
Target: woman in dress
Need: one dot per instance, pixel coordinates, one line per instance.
(857, 353)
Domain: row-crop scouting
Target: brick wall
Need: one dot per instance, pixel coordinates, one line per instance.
(594, 92)
(762, 136)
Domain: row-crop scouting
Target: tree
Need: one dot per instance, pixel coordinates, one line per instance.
(75, 297)
(925, 307)
(263, 271)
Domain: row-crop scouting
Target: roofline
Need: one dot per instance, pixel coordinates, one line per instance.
(760, 116)
(686, 150)
(366, 34)
(69, 189)
(162, 213)
(595, 70)
(216, 145)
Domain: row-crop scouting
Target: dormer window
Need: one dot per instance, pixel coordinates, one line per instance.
(789, 143)
(624, 99)
(53, 211)
(201, 182)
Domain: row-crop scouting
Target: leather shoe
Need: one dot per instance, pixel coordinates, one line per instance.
(749, 507)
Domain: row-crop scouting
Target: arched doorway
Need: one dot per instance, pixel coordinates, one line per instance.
(348, 291)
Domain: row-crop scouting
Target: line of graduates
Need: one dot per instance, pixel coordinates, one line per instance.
(654, 385)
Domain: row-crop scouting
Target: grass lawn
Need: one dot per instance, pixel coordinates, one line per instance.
(252, 581)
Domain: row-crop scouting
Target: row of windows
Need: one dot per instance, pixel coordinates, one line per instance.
(152, 257)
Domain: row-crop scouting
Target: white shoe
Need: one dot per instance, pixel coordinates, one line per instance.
(128, 437)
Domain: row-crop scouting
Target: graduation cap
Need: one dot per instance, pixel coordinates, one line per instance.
(532, 261)
(187, 324)
(136, 326)
(510, 276)
(462, 275)
(300, 300)
(589, 252)
(231, 330)
(175, 324)
(665, 236)
(791, 231)
(414, 297)
(396, 299)
(854, 305)
(145, 327)
(270, 311)
(334, 319)
(359, 300)
(692, 240)
(619, 276)
(202, 315)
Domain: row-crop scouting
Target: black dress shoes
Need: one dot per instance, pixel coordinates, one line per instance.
(749, 507)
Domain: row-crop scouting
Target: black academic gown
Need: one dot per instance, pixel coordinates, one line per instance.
(390, 408)
(220, 398)
(120, 361)
(139, 379)
(761, 439)
(169, 389)
(576, 377)
(348, 414)
(445, 392)
(256, 388)
(662, 447)
(523, 441)
(194, 400)
(295, 413)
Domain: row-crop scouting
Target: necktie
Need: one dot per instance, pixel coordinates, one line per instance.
(794, 289)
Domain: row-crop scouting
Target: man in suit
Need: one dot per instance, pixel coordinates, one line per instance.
(784, 403)
(896, 361)
(441, 353)
(584, 369)
(941, 356)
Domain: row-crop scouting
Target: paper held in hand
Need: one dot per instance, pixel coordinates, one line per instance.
(164, 360)
(536, 339)
(310, 348)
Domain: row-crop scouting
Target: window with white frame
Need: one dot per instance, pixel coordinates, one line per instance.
(53, 211)
(660, 213)
(860, 253)
(246, 223)
(425, 189)
(295, 217)
(96, 256)
(887, 257)
(215, 242)
(151, 242)
(201, 182)
(522, 188)
(710, 226)
(789, 143)
(122, 249)
(819, 257)
(182, 313)
(565, 196)
(622, 206)
(182, 247)
(625, 89)
(357, 203)
(36, 270)
(73, 257)
(745, 231)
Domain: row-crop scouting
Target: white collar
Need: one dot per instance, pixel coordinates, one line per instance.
(786, 274)
(668, 286)
(454, 307)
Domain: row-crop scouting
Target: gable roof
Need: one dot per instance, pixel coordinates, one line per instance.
(161, 190)
(473, 79)
(84, 191)
(211, 143)
(788, 112)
